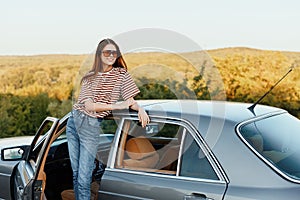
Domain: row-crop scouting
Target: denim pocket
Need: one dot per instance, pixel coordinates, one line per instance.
(70, 128)
(76, 114)
(93, 122)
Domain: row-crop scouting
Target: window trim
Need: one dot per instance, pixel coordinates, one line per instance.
(180, 151)
(113, 153)
(222, 178)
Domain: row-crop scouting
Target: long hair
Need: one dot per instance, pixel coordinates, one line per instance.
(97, 65)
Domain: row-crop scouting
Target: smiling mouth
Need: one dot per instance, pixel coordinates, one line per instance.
(111, 59)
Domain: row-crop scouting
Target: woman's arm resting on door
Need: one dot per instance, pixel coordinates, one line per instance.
(99, 107)
(143, 116)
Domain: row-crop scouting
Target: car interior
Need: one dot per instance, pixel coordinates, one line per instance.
(269, 148)
(58, 169)
(150, 152)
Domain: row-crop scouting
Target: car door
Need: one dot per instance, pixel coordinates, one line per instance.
(7, 167)
(165, 160)
(28, 181)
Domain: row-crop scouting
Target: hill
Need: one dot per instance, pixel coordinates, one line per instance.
(244, 73)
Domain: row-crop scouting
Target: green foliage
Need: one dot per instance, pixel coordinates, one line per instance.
(200, 88)
(109, 126)
(166, 89)
(33, 87)
(58, 108)
(23, 115)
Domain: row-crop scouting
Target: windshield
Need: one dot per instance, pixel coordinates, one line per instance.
(277, 139)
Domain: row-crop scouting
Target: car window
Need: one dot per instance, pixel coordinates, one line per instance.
(146, 149)
(59, 148)
(108, 129)
(277, 139)
(39, 140)
(162, 147)
(194, 161)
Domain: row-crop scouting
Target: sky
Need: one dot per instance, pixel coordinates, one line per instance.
(30, 27)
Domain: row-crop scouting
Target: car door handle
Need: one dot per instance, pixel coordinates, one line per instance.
(196, 196)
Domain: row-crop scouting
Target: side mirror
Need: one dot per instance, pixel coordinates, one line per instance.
(12, 153)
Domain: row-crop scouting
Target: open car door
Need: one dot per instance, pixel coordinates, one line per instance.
(30, 179)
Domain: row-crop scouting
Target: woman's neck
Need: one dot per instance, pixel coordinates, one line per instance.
(106, 68)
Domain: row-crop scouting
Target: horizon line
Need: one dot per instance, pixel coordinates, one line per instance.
(211, 49)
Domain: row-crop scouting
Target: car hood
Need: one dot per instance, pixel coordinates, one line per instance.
(15, 141)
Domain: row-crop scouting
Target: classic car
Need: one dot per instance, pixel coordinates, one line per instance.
(191, 149)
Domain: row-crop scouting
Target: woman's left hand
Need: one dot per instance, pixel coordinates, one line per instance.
(143, 117)
(89, 106)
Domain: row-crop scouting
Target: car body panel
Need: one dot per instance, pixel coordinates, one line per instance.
(6, 170)
(134, 185)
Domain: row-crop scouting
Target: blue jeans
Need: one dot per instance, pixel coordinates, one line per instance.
(83, 134)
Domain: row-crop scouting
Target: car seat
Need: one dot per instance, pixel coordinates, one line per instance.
(70, 195)
(257, 142)
(141, 153)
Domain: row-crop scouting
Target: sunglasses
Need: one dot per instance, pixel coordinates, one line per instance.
(107, 53)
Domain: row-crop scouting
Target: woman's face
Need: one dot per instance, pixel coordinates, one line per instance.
(109, 55)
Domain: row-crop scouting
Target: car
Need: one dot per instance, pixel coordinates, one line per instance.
(191, 149)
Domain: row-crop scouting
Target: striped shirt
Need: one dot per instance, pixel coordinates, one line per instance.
(106, 88)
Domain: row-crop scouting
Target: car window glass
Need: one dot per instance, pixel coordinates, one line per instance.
(277, 139)
(194, 162)
(59, 147)
(151, 149)
(39, 141)
(109, 126)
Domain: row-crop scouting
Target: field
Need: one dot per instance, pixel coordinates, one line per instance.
(233, 74)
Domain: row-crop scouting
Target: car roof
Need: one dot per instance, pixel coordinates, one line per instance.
(233, 111)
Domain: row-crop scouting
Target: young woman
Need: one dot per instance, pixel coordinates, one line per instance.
(101, 88)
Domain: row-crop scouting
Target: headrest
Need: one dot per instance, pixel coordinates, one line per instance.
(139, 148)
